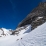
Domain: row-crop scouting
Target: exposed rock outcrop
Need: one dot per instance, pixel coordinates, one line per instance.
(36, 17)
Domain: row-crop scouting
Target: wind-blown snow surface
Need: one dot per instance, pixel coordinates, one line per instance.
(36, 37)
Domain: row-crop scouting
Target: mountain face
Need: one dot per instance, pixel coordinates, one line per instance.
(36, 17)
(37, 37)
(26, 34)
(19, 29)
(9, 32)
(5, 32)
(11, 40)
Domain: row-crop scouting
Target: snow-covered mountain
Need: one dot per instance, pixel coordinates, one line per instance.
(37, 37)
(20, 30)
(9, 40)
(5, 32)
(30, 32)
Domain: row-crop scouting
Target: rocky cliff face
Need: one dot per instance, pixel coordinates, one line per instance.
(36, 17)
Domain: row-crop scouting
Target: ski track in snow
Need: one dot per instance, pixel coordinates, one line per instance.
(37, 37)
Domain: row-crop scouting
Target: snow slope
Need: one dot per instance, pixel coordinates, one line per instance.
(26, 30)
(37, 37)
(12, 39)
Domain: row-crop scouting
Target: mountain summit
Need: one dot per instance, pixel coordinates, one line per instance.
(36, 17)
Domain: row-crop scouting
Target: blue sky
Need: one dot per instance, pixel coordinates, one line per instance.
(14, 11)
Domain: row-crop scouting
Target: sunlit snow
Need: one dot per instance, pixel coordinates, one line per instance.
(26, 37)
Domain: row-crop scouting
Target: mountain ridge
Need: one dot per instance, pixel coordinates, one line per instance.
(39, 11)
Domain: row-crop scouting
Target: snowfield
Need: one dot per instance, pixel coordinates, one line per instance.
(9, 40)
(26, 37)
